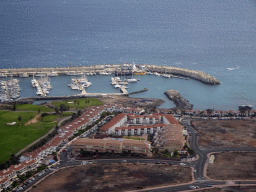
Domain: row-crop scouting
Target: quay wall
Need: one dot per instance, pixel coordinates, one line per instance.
(194, 74)
(179, 101)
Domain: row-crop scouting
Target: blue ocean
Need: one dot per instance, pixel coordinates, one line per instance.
(214, 36)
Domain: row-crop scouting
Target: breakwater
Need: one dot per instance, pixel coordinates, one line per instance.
(179, 101)
(143, 90)
(116, 68)
(194, 74)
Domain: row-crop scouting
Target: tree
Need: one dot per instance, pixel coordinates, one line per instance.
(209, 112)
(19, 118)
(175, 153)
(43, 115)
(166, 151)
(39, 111)
(63, 107)
(14, 107)
(79, 112)
(57, 110)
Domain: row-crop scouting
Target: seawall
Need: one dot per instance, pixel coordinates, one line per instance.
(179, 101)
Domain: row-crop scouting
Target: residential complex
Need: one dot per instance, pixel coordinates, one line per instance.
(112, 145)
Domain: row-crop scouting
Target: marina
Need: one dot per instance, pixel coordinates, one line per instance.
(10, 90)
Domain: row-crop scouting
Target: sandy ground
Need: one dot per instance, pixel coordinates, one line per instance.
(132, 102)
(231, 189)
(226, 133)
(34, 120)
(229, 165)
(113, 178)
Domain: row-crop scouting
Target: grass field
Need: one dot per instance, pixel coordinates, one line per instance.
(78, 103)
(31, 107)
(13, 138)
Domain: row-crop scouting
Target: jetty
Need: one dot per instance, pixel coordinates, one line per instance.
(179, 101)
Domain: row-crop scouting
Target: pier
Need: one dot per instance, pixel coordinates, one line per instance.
(179, 101)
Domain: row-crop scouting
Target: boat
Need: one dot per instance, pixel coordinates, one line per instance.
(40, 74)
(3, 75)
(23, 75)
(53, 74)
(139, 73)
(73, 74)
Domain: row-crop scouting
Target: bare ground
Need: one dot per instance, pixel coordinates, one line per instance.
(33, 121)
(98, 178)
(230, 165)
(226, 133)
(231, 189)
(132, 102)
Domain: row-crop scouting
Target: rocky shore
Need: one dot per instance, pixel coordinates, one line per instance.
(179, 101)
(197, 75)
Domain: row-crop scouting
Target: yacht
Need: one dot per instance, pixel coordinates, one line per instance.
(23, 75)
(53, 74)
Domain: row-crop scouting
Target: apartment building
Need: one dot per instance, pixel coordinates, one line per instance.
(112, 145)
(170, 137)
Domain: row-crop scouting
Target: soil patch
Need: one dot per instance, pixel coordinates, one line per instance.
(226, 133)
(132, 102)
(231, 189)
(33, 121)
(114, 178)
(228, 166)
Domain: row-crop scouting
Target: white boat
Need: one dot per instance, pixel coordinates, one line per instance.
(117, 86)
(23, 75)
(40, 74)
(39, 93)
(53, 74)
(73, 74)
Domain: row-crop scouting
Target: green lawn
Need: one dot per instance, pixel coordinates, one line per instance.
(134, 138)
(78, 103)
(13, 138)
(31, 107)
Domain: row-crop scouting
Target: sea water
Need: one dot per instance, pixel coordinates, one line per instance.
(214, 36)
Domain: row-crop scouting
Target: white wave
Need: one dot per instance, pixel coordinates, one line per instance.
(231, 69)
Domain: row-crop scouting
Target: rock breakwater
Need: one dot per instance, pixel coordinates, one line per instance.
(179, 101)
(194, 74)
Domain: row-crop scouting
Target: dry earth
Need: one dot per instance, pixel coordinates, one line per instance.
(33, 121)
(231, 189)
(226, 133)
(132, 102)
(113, 178)
(230, 165)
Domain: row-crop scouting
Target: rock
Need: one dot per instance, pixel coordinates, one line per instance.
(179, 101)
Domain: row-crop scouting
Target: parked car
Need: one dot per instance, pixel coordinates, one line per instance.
(157, 162)
(182, 164)
(192, 187)
(123, 161)
(209, 185)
